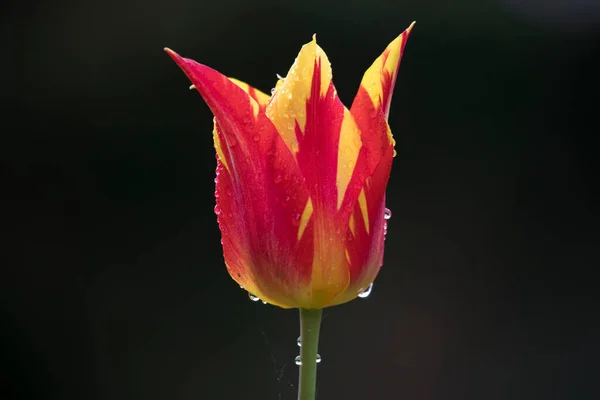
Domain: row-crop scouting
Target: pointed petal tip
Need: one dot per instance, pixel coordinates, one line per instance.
(174, 56)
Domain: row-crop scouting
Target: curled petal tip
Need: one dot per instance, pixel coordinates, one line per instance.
(411, 26)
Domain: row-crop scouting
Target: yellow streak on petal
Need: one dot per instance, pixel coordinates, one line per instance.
(362, 202)
(330, 274)
(306, 214)
(352, 225)
(348, 148)
(388, 61)
(288, 103)
(218, 147)
(348, 256)
(371, 81)
(261, 97)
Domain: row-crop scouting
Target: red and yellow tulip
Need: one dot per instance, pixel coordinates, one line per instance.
(301, 180)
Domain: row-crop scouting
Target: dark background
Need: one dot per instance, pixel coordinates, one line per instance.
(112, 284)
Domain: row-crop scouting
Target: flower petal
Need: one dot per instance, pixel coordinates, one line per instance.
(322, 134)
(260, 192)
(369, 110)
(367, 186)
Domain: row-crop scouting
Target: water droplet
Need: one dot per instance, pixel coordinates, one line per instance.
(318, 358)
(272, 90)
(298, 360)
(256, 138)
(217, 210)
(278, 178)
(264, 302)
(299, 341)
(241, 287)
(366, 292)
(387, 213)
(253, 297)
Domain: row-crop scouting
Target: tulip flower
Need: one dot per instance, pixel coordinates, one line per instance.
(301, 180)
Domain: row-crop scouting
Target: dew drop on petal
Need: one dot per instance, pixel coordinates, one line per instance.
(298, 360)
(253, 297)
(365, 293)
(272, 90)
(318, 358)
(256, 138)
(387, 214)
(299, 341)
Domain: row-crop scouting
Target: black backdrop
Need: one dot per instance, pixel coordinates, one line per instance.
(112, 284)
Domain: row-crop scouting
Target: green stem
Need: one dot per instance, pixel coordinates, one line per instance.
(310, 324)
